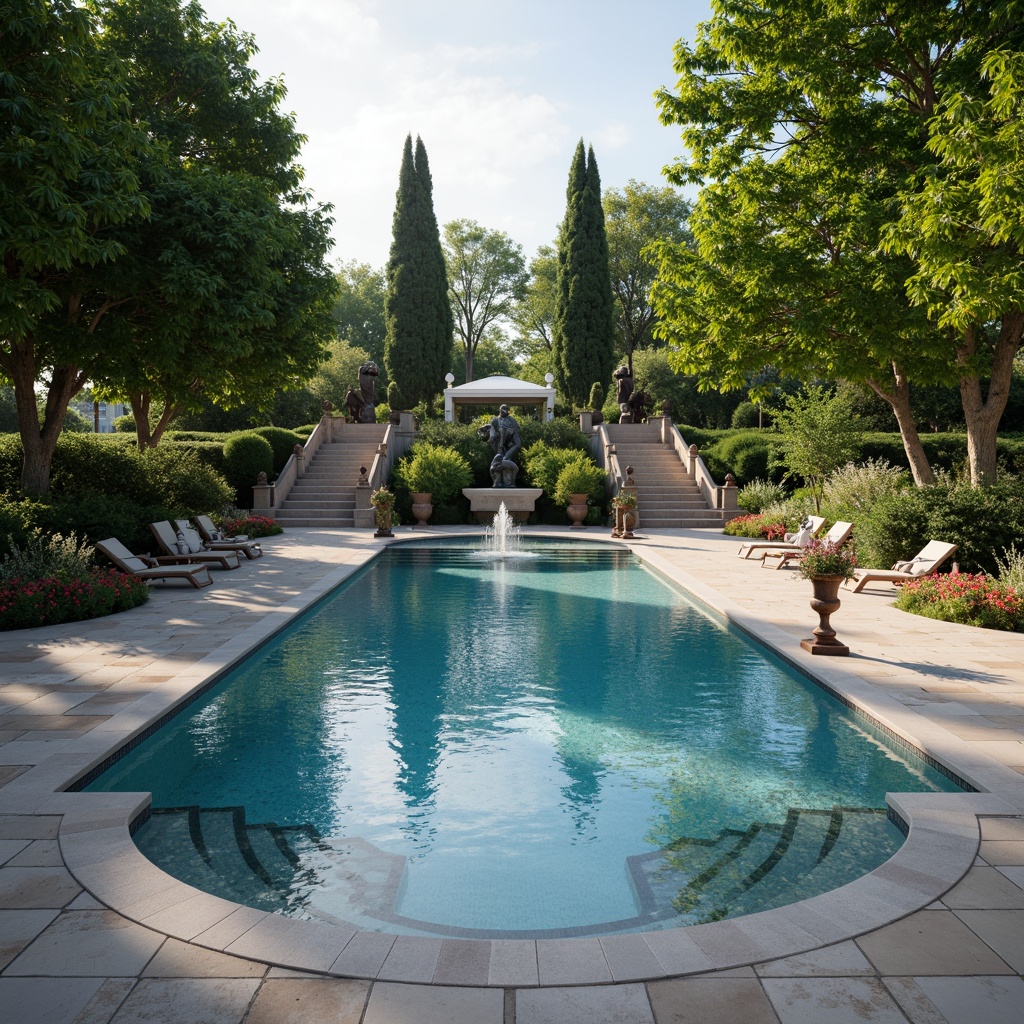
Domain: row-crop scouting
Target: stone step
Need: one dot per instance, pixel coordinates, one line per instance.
(338, 523)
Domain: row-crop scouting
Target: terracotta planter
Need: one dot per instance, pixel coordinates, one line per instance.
(577, 510)
(825, 602)
(421, 506)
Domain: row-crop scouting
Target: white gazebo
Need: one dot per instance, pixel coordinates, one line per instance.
(498, 390)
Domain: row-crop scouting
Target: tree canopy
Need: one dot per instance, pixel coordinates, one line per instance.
(634, 218)
(583, 335)
(808, 127)
(417, 312)
(486, 276)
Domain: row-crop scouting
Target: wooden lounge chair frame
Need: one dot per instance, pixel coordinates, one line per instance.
(167, 537)
(750, 548)
(837, 536)
(144, 568)
(926, 561)
(251, 548)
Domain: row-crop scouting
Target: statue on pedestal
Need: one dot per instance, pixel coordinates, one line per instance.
(503, 436)
(368, 374)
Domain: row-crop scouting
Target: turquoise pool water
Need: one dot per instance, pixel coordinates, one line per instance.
(556, 744)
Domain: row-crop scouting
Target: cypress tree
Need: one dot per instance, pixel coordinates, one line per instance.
(583, 335)
(418, 316)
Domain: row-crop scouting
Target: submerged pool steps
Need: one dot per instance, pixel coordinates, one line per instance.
(293, 871)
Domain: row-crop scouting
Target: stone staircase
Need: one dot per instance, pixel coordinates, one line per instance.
(325, 495)
(668, 495)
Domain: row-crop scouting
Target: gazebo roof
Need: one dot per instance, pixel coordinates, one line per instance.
(488, 389)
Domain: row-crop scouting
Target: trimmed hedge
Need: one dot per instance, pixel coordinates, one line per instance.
(246, 455)
(283, 443)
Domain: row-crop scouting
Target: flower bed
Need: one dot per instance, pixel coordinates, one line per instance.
(25, 603)
(968, 598)
(755, 526)
(251, 526)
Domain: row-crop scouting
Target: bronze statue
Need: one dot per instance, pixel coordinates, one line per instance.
(368, 374)
(354, 404)
(505, 441)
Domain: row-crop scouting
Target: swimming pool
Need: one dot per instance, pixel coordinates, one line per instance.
(562, 744)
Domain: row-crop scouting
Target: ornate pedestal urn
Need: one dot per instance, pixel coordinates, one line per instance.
(577, 509)
(825, 602)
(628, 522)
(421, 506)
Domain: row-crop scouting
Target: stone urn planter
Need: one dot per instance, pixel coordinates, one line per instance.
(577, 509)
(421, 506)
(825, 602)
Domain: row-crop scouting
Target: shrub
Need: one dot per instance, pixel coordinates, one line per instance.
(238, 522)
(596, 400)
(852, 490)
(973, 600)
(28, 603)
(580, 476)
(1011, 568)
(47, 555)
(759, 493)
(246, 455)
(746, 416)
(394, 397)
(543, 464)
(558, 433)
(463, 438)
(756, 526)
(895, 527)
(178, 479)
(747, 456)
(442, 472)
(124, 424)
(283, 443)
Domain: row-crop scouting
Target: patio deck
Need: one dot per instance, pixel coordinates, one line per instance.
(90, 932)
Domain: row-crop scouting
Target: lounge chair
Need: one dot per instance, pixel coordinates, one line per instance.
(837, 536)
(926, 561)
(789, 543)
(167, 537)
(250, 548)
(145, 569)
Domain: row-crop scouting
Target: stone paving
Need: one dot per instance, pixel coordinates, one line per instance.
(936, 935)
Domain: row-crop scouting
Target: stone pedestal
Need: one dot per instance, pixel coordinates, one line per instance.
(519, 501)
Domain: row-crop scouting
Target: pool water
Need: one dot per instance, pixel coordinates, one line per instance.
(556, 744)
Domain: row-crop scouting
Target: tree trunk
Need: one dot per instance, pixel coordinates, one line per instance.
(140, 413)
(982, 413)
(469, 362)
(39, 440)
(899, 399)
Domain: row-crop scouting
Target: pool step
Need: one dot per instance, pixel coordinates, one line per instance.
(288, 869)
(768, 865)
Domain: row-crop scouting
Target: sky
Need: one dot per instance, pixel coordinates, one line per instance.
(500, 91)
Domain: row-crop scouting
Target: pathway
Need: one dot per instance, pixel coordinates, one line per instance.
(67, 693)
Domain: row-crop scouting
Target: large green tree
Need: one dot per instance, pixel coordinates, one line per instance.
(70, 161)
(634, 217)
(807, 125)
(534, 313)
(486, 276)
(227, 293)
(359, 308)
(417, 313)
(583, 336)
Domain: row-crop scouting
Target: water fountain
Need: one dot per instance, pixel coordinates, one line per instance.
(504, 538)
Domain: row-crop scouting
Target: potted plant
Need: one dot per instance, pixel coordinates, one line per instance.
(433, 474)
(577, 483)
(826, 565)
(383, 502)
(624, 505)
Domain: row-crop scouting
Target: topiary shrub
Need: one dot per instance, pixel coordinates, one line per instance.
(746, 416)
(124, 424)
(439, 471)
(282, 441)
(246, 455)
(747, 456)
